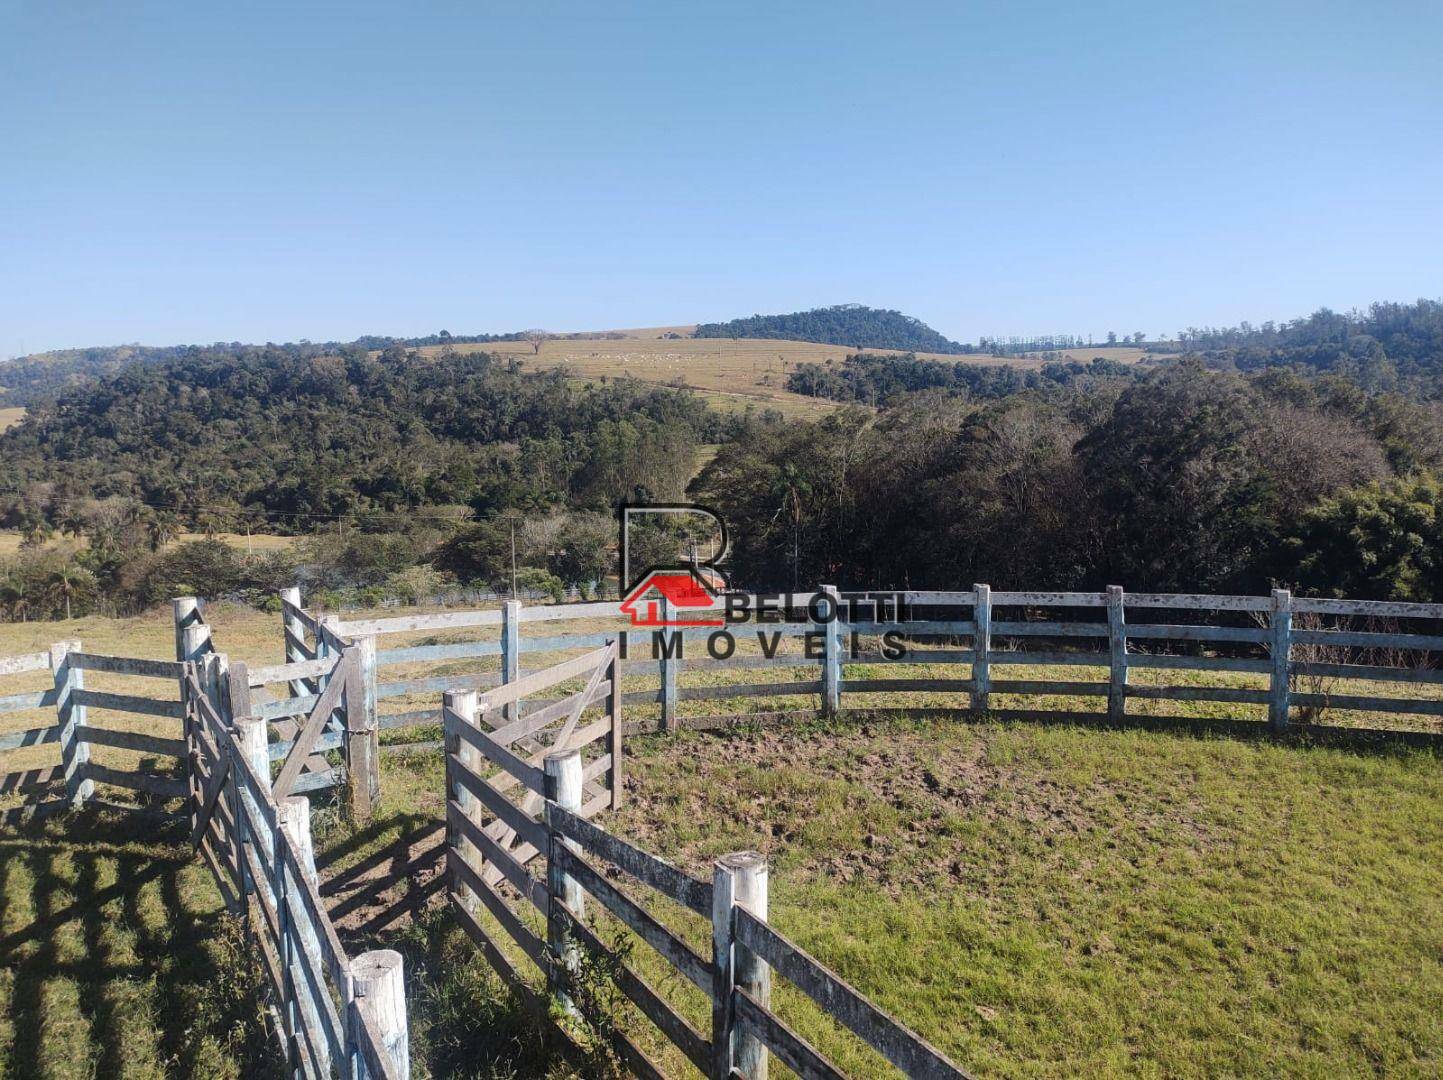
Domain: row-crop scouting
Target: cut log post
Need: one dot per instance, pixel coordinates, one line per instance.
(1117, 654)
(295, 819)
(563, 787)
(379, 978)
(511, 653)
(982, 648)
(293, 632)
(369, 725)
(463, 704)
(185, 611)
(738, 880)
(70, 718)
(1281, 643)
(832, 653)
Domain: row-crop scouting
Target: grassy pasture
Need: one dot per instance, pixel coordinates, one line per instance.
(10, 417)
(729, 373)
(1037, 899)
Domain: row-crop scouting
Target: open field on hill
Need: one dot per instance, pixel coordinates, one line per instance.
(10, 417)
(729, 373)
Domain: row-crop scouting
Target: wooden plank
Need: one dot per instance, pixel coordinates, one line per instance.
(131, 740)
(780, 689)
(790, 1048)
(331, 740)
(669, 1022)
(1047, 686)
(671, 948)
(1200, 693)
(1359, 703)
(566, 642)
(1373, 672)
(530, 830)
(901, 1046)
(303, 889)
(603, 609)
(496, 855)
(414, 718)
(29, 701)
(494, 956)
(440, 682)
(596, 768)
(919, 628)
(901, 686)
(1364, 640)
(1048, 599)
(330, 698)
(301, 669)
(454, 651)
(1199, 663)
(581, 700)
(16, 665)
(399, 624)
(286, 707)
(1386, 609)
(645, 867)
(540, 680)
(127, 665)
(131, 703)
(160, 786)
(317, 781)
(1051, 659)
(1190, 632)
(1199, 602)
(529, 943)
(1048, 628)
(527, 774)
(537, 719)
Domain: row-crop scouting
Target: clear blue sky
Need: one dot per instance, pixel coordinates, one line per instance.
(203, 171)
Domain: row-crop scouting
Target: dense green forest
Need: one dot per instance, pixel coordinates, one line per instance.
(844, 324)
(1309, 456)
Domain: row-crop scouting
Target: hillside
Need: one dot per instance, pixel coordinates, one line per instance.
(854, 325)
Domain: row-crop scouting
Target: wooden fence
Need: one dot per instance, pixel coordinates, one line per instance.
(75, 731)
(1291, 658)
(333, 1015)
(507, 811)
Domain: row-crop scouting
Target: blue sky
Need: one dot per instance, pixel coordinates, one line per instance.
(203, 172)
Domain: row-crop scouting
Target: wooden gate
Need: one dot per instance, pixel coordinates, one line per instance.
(496, 787)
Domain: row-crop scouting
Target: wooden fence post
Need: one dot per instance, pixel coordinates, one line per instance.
(69, 718)
(295, 813)
(511, 653)
(463, 704)
(285, 942)
(1117, 654)
(563, 787)
(982, 648)
(1281, 642)
(669, 664)
(251, 739)
(832, 653)
(613, 737)
(185, 611)
(367, 677)
(379, 979)
(293, 633)
(361, 738)
(738, 880)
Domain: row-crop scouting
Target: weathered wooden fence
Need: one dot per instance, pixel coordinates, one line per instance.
(1292, 658)
(333, 1015)
(508, 811)
(75, 729)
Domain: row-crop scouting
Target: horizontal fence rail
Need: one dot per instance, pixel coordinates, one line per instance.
(1292, 660)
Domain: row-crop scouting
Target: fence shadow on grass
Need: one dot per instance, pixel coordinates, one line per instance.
(113, 947)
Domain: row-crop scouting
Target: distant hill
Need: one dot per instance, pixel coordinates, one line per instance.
(845, 324)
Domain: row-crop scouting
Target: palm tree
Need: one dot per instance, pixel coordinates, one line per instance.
(66, 582)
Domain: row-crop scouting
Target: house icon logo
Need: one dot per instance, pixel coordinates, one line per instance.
(686, 589)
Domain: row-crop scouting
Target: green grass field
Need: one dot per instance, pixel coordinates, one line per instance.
(1038, 900)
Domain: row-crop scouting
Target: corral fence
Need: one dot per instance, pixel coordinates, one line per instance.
(246, 746)
(1292, 661)
(507, 812)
